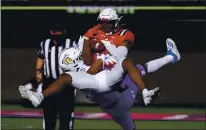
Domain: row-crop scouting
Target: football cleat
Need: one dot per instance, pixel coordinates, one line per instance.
(172, 50)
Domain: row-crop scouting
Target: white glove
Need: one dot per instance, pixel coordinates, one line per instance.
(107, 59)
(102, 56)
(147, 95)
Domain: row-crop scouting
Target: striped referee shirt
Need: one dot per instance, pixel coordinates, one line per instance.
(50, 52)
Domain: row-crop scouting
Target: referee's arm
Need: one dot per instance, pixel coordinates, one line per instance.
(40, 63)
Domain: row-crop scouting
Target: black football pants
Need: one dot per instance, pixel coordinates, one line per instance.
(60, 104)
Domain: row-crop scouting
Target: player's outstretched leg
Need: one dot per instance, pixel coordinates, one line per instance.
(79, 80)
(172, 56)
(134, 74)
(36, 98)
(129, 67)
(128, 82)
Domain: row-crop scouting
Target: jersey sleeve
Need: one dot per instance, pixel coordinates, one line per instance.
(40, 53)
(130, 37)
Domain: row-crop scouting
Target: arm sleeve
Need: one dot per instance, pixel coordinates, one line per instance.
(121, 51)
(118, 52)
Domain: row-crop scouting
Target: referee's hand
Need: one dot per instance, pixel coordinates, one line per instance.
(38, 76)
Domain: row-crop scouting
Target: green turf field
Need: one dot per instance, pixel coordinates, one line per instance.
(33, 124)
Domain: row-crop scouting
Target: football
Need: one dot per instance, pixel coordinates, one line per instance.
(96, 44)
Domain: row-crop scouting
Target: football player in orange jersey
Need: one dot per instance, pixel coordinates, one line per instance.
(111, 38)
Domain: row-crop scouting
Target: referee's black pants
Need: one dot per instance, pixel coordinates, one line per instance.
(61, 104)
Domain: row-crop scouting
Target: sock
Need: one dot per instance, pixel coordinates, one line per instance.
(142, 69)
(154, 65)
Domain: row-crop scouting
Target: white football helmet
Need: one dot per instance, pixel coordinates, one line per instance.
(109, 14)
(70, 59)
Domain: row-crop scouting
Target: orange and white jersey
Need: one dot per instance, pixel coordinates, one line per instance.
(117, 38)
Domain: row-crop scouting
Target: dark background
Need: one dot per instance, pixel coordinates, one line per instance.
(181, 84)
(104, 2)
(25, 29)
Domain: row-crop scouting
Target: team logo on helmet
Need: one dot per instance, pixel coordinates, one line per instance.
(67, 60)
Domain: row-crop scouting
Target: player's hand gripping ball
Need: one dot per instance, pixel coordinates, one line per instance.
(96, 44)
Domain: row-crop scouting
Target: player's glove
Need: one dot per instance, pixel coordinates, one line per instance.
(34, 97)
(101, 56)
(107, 59)
(147, 95)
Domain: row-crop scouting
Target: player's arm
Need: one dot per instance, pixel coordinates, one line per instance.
(120, 51)
(39, 63)
(86, 52)
(95, 67)
(103, 61)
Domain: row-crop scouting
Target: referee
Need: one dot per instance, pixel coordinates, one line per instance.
(47, 71)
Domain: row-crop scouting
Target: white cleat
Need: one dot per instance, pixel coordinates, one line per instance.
(34, 97)
(172, 50)
(22, 91)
